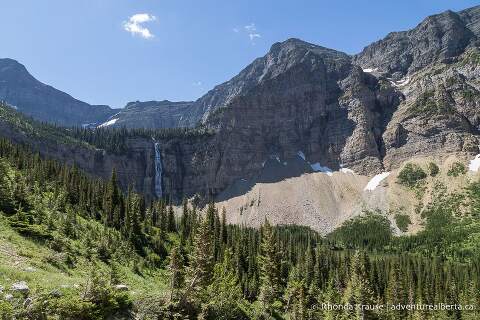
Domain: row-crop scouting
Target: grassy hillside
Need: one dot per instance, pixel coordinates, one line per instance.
(72, 265)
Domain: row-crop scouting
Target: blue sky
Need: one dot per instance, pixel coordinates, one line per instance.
(100, 52)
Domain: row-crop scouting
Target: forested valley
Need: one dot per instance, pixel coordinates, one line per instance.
(198, 266)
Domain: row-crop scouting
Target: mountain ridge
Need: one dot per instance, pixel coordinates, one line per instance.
(43, 102)
(300, 97)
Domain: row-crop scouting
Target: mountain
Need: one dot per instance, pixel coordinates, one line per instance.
(301, 98)
(151, 114)
(438, 38)
(42, 102)
(303, 108)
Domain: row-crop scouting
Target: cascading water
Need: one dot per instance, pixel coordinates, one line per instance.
(158, 171)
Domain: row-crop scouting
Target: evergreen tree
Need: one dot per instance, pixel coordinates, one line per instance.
(395, 293)
(185, 222)
(358, 291)
(176, 268)
(296, 296)
(6, 199)
(112, 202)
(224, 296)
(171, 219)
(201, 261)
(270, 278)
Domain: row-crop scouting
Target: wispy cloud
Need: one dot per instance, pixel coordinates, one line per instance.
(250, 30)
(135, 26)
(197, 84)
(251, 27)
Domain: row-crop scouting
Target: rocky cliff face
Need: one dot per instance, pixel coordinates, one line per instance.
(45, 103)
(152, 114)
(412, 93)
(303, 99)
(438, 38)
(134, 168)
(308, 99)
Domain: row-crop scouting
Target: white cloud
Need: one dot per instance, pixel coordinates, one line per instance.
(198, 83)
(134, 25)
(252, 36)
(250, 30)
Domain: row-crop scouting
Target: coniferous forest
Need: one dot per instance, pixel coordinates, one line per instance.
(202, 268)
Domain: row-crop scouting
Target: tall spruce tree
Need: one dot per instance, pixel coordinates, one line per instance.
(199, 272)
(270, 276)
(176, 267)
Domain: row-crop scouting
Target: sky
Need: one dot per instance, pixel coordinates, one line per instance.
(115, 51)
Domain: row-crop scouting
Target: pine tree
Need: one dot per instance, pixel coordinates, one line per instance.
(224, 295)
(6, 200)
(470, 297)
(270, 278)
(395, 293)
(358, 291)
(176, 268)
(201, 261)
(112, 202)
(296, 296)
(185, 222)
(309, 265)
(171, 219)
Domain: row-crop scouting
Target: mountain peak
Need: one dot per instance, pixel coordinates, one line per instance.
(298, 44)
(438, 37)
(20, 89)
(8, 62)
(14, 70)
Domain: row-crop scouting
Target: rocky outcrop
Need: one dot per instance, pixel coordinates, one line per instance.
(45, 103)
(439, 114)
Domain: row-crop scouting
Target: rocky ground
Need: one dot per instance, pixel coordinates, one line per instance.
(324, 201)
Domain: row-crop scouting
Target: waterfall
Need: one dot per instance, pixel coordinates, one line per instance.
(158, 171)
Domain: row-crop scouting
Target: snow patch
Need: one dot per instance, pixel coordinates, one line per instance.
(108, 123)
(346, 170)
(474, 164)
(375, 181)
(88, 125)
(369, 70)
(301, 155)
(400, 83)
(319, 168)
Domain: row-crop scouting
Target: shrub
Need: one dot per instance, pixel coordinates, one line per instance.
(457, 169)
(6, 310)
(402, 221)
(410, 175)
(433, 169)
